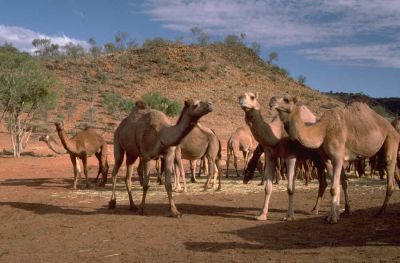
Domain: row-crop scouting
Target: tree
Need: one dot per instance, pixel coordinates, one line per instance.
(302, 79)
(25, 88)
(272, 56)
(232, 40)
(110, 48)
(200, 36)
(73, 50)
(121, 39)
(256, 48)
(45, 48)
(94, 50)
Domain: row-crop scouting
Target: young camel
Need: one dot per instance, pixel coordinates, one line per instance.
(200, 142)
(341, 135)
(240, 141)
(83, 145)
(57, 147)
(276, 144)
(148, 134)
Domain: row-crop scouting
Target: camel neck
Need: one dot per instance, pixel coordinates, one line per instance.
(261, 130)
(55, 146)
(66, 142)
(173, 135)
(310, 136)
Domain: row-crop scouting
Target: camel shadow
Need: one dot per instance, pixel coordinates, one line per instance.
(360, 229)
(153, 210)
(39, 183)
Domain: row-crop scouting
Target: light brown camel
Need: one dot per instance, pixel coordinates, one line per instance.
(57, 147)
(83, 145)
(240, 141)
(200, 142)
(276, 144)
(148, 134)
(341, 135)
(396, 125)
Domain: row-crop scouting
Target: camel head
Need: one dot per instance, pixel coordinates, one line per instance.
(44, 138)
(59, 125)
(196, 108)
(140, 104)
(249, 101)
(284, 105)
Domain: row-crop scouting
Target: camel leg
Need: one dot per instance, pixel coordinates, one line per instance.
(228, 159)
(75, 165)
(85, 171)
(146, 173)
(211, 167)
(345, 184)
(235, 161)
(390, 161)
(78, 168)
(290, 166)
(98, 157)
(180, 171)
(322, 184)
(333, 217)
(268, 174)
(119, 158)
(193, 164)
(130, 160)
(168, 158)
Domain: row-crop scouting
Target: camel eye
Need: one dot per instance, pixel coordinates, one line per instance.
(286, 100)
(252, 97)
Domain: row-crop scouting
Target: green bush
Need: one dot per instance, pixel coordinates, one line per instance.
(159, 102)
(116, 104)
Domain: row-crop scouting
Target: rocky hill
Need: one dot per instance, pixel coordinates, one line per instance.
(216, 72)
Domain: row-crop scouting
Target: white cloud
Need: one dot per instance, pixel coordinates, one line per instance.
(275, 23)
(78, 13)
(21, 38)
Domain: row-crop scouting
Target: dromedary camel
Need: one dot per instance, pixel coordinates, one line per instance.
(57, 147)
(200, 142)
(396, 125)
(277, 144)
(83, 145)
(240, 141)
(343, 134)
(148, 133)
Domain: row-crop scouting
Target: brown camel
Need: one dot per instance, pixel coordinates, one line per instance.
(200, 142)
(148, 133)
(396, 125)
(240, 141)
(276, 144)
(57, 147)
(341, 135)
(83, 145)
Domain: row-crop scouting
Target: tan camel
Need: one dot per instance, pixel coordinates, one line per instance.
(83, 145)
(57, 147)
(200, 142)
(240, 141)
(276, 144)
(396, 125)
(341, 135)
(148, 134)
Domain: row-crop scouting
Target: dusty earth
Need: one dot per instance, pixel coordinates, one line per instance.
(43, 220)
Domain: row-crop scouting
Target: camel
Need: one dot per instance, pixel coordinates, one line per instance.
(276, 144)
(83, 145)
(200, 142)
(341, 135)
(147, 134)
(240, 141)
(396, 125)
(57, 147)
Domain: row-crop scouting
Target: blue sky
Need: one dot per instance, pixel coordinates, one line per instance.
(342, 45)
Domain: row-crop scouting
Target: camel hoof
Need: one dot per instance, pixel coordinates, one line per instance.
(219, 188)
(141, 211)
(346, 213)
(379, 214)
(314, 212)
(261, 218)
(112, 204)
(175, 214)
(133, 208)
(289, 218)
(331, 220)
(193, 180)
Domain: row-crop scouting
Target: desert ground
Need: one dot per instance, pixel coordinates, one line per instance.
(44, 220)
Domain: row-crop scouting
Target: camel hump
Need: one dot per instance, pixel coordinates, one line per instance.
(306, 115)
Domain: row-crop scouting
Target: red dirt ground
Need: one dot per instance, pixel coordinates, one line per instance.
(43, 220)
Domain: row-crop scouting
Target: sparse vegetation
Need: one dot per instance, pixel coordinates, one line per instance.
(159, 102)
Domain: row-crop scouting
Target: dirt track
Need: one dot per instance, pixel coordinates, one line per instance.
(43, 220)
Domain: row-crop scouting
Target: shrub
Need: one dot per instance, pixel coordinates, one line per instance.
(159, 102)
(116, 105)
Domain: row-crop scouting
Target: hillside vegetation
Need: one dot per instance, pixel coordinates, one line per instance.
(215, 72)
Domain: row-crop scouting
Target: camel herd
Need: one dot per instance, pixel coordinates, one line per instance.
(293, 135)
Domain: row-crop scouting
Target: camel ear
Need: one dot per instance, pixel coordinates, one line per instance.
(257, 95)
(189, 103)
(141, 104)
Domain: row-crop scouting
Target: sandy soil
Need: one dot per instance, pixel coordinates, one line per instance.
(43, 220)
